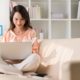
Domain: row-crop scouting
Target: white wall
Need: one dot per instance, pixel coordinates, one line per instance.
(4, 14)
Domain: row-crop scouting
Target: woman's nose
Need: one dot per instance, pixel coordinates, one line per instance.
(19, 22)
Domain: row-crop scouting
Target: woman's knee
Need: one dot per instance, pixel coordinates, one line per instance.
(33, 64)
(36, 57)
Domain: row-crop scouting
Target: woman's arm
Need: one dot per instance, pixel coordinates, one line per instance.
(6, 37)
(35, 45)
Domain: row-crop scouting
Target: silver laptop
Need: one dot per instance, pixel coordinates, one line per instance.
(15, 50)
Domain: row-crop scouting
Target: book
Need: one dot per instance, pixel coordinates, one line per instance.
(35, 12)
(78, 13)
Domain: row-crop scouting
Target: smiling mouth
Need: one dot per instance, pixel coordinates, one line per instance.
(19, 25)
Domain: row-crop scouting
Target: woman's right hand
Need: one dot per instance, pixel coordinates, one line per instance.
(11, 61)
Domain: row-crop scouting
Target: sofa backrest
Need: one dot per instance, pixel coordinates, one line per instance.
(73, 43)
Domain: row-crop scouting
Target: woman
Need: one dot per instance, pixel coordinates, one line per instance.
(21, 31)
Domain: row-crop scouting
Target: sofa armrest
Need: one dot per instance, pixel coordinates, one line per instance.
(59, 72)
(53, 71)
(66, 71)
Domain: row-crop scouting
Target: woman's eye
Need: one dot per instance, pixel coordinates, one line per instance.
(19, 19)
(16, 19)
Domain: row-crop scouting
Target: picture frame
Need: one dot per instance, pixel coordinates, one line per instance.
(1, 30)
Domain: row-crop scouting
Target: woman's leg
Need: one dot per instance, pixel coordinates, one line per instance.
(29, 64)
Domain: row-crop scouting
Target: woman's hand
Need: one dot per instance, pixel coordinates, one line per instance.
(12, 61)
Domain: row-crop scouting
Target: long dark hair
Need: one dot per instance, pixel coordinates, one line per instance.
(25, 15)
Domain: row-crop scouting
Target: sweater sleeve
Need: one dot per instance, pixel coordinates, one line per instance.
(5, 37)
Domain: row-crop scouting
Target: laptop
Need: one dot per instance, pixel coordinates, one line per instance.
(15, 50)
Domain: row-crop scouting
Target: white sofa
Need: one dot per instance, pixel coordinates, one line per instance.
(53, 71)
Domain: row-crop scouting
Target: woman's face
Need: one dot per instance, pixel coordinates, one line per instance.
(18, 20)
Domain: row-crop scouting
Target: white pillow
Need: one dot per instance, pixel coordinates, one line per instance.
(47, 51)
(52, 53)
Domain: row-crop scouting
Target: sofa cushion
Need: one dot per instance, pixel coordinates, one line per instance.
(52, 52)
